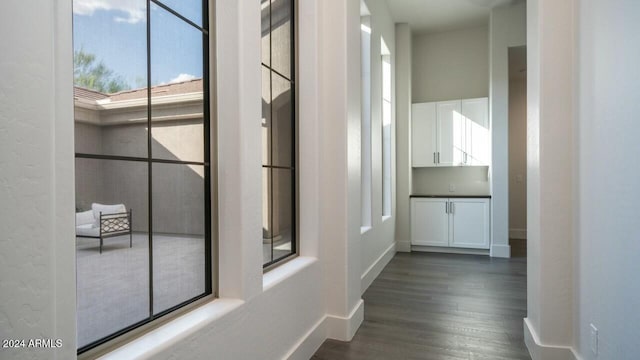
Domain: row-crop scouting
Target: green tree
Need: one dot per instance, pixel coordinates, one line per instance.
(95, 75)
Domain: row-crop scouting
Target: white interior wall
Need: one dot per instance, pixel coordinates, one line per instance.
(450, 65)
(507, 28)
(403, 136)
(551, 182)
(607, 289)
(468, 180)
(37, 254)
(378, 242)
(339, 167)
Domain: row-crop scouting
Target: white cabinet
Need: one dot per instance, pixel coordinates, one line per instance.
(477, 141)
(423, 135)
(451, 222)
(429, 222)
(450, 133)
(469, 223)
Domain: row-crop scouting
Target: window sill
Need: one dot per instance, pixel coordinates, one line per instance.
(386, 217)
(286, 270)
(364, 229)
(174, 331)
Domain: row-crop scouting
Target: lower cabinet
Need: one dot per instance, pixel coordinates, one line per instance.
(451, 222)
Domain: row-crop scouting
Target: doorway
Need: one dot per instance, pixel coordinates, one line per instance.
(518, 151)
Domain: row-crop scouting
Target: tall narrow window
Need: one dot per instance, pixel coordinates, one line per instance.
(143, 244)
(365, 134)
(278, 131)
(386, 129)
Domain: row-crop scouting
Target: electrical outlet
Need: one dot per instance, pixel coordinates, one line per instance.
(594, 340)
(452, 187)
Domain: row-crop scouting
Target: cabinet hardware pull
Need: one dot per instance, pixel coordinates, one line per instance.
(446, 207)
(452, 208)
(438, 157)
(434, 158)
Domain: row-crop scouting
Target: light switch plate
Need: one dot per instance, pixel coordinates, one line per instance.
(452, 187)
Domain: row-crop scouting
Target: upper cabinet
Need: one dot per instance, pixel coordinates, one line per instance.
(450, 133)
(477, 136)
(424, 135)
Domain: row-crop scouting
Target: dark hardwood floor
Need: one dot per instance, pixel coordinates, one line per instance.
(441, 306)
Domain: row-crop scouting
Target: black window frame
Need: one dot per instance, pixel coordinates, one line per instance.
(206, 164)
(294, 135)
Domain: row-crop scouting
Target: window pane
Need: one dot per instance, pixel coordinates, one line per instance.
(112, 286)
(177, 88)
(278, 214)
(278, 135)
(178, 234)
(110, 76)
(266, 216)
(281, 36)
(265, 29)
(282, 123)
(386, 133)
(366, 172)
(190, 9)
(266, 116)
(283, 213)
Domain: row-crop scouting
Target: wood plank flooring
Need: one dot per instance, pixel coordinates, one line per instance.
(440, 306)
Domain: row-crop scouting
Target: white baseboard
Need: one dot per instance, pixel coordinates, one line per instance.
(403, 246)
(540, 351)
(374, 270)
(518, 234)
(310, 342)
(344, 328)
(329, 327)
(501, 251)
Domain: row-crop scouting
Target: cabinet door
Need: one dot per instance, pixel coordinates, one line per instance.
(423, 134)
(450, 133)
(429, 222)
(469, 226)
(475, 114)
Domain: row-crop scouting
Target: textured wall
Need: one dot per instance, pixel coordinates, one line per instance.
(608, 238)
(37, 279)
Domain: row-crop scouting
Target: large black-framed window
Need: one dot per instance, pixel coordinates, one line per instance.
(142, 148)
(278, 131)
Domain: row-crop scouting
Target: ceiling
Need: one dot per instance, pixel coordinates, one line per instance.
(433, 16)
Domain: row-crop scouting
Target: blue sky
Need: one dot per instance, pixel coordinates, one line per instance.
(115, 31)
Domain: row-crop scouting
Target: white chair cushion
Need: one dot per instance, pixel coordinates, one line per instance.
(107, 209)
(85, 218)
(87, 230)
